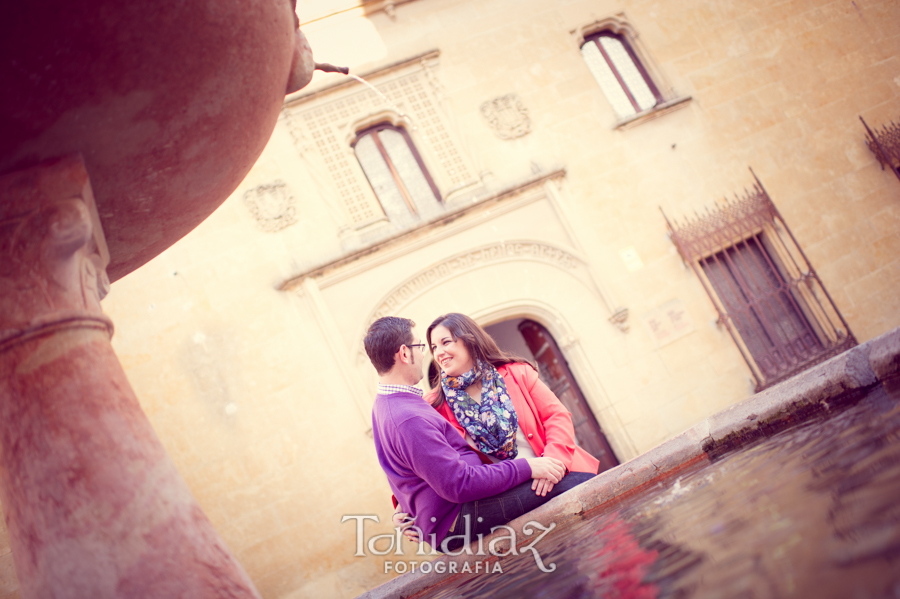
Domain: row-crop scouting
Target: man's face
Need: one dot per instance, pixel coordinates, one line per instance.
(416, 363)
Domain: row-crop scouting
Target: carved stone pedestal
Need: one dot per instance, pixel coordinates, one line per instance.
(95, 508)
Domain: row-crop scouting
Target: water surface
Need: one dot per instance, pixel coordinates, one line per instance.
(813, 511)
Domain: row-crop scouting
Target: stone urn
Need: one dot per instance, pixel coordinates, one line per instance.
(122, 126)
(169, 102)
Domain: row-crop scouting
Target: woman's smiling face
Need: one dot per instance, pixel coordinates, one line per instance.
(450, 354)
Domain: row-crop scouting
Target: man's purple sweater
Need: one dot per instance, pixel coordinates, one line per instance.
(430, 467)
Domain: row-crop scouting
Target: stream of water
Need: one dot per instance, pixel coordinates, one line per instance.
(390, 104)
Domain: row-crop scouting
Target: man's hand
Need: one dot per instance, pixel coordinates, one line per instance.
(549, 468)
(402, 521)
(541, 486)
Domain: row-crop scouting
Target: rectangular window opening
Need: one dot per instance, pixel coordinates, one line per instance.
(766, 292)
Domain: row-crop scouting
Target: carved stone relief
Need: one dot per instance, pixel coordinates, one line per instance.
(80, 464)
(54, 266)
(507, 116)
(273, 206)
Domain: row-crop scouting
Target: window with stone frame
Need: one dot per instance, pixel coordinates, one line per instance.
(632, 83)
(326, 126)
(395, 170)
(620, 73)
(766, 292)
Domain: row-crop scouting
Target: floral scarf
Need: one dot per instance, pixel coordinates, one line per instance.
(493, 423)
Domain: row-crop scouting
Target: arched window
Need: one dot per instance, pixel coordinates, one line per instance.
(617, 68)
(395, 171)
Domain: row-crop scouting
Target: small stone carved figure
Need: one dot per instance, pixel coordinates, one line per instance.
(507, 116)
(52, 264)
(94, 280)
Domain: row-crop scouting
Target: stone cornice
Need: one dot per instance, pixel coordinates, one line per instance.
(296, 280)
(310, 94)
(366, 7)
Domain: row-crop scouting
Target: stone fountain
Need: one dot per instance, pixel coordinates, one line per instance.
(124, 125)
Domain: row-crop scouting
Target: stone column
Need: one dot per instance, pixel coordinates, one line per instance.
(95, 507)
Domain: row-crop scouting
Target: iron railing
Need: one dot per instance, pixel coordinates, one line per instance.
(885, 144)
(766, 292)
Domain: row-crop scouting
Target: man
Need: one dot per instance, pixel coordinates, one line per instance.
(429, 466)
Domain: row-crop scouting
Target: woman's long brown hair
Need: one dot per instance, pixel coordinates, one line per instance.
(479, 344)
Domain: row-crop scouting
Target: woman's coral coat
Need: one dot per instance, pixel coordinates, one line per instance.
(546, 423)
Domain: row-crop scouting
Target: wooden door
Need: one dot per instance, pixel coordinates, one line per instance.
(554, 371)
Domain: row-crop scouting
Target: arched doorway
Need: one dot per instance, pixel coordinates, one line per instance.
(531, 340)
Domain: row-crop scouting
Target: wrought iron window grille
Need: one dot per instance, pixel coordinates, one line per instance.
(763, 287)
(885, 144)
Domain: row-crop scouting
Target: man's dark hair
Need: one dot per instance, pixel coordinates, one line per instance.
(384, 338)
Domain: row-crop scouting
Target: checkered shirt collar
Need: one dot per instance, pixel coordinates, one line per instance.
(390, 389)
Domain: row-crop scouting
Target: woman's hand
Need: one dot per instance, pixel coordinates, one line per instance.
(541, 486)
(403, 521)
(549, 468)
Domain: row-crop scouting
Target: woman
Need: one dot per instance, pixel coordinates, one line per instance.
(501, 407)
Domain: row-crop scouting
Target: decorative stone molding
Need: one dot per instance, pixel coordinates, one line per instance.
(273, 206)
(507, 116)
(476, 213)
(617, 23)
(53, 271)
(620, 319)
(469, 261)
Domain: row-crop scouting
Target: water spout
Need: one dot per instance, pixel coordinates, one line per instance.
(330, 68)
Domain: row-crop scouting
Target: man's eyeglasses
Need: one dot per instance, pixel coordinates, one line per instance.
(412, 345)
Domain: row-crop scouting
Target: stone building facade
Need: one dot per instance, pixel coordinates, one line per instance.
(517, 162)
